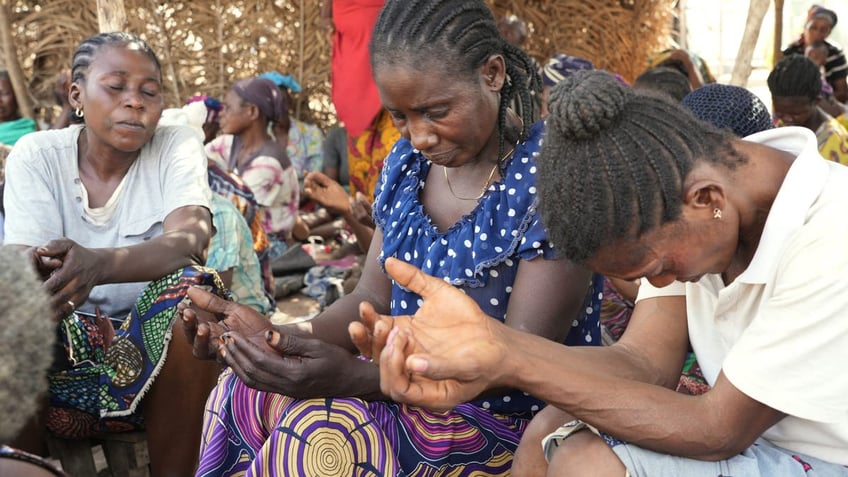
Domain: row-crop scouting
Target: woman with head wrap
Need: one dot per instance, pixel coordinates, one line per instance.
(303, 141)
(729, 107)
(819, 24)
(558, 67)
(250, 110)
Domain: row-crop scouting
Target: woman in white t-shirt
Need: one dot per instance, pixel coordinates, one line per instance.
(114, 214)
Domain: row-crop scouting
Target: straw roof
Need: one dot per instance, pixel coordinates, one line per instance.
(206, 45)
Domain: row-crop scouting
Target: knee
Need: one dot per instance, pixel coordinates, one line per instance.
(584, 454)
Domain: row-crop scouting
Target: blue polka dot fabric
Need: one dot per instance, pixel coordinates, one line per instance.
(480, 253)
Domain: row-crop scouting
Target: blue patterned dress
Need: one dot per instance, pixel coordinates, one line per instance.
(261, 433)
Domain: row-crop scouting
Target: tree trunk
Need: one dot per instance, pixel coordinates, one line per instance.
(742, 68)
(111, 16)
(778, 30)
(13, 66)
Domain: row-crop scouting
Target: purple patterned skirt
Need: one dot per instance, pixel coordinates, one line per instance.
(254, 433)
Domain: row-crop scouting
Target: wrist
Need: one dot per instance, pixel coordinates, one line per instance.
(510, 369)
(363, 380)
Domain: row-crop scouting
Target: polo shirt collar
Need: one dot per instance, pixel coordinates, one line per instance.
(802, 185)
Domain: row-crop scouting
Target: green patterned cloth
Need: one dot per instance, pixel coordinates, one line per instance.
(96, 388)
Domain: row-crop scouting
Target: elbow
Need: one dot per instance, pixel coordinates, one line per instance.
(725, 441)
(200, 251)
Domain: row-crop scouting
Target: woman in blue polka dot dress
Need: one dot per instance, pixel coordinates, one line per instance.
(457, 198)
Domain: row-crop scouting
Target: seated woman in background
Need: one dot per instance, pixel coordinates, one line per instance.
(795, 85)
(819, 24)
(456, 196)
(303, 141)
(817, 53)
(12, 125)
(247, 149)
(230, 251)
(114, 214)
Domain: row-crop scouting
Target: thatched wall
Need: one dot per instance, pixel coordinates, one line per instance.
(205, 45)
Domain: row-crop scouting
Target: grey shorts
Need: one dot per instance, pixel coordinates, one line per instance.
(762, 459)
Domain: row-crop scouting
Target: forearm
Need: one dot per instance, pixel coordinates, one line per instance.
(153, 258)
(362, 232)
(331, 326)
(610, 391)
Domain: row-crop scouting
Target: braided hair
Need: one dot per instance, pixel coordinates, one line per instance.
(614, 162)
(664, 79)
(462, 36)
(795, 76)
(87, 50)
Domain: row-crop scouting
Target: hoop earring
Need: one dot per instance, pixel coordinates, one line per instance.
(79, 113)
(717, 213)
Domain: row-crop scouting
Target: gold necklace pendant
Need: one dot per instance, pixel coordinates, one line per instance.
(485, 184)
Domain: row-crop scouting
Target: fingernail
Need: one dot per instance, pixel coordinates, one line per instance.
(272, 337)
(418, 365)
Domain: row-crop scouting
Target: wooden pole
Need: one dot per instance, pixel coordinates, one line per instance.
(111, 16)
(13, 65)
(742, 67)
(778, 30)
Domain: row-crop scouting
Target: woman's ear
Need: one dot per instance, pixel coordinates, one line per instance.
(254, 112)
(74, 95)
(704, 196)
(494, 72)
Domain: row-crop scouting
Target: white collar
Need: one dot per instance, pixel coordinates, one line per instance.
(802, 185)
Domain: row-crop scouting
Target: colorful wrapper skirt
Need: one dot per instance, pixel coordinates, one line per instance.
(254, 433)
(95, 387)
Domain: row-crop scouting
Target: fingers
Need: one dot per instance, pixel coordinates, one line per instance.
(55, 248)
(394, 380)
(291, 345)
(208, 301)
(361, 338)
(256, 365)
(319, 178)
(412, 278)
(372, 332)
(203, 337)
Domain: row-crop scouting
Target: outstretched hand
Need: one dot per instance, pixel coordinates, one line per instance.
(447, 354)
(327, 192)
(205, 317)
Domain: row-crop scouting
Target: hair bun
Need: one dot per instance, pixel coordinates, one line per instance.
(585, 103)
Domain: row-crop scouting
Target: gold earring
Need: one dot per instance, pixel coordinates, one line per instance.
(717, 213)
(79, 112)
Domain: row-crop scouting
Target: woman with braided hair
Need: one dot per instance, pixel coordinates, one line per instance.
(115, 215)
(740, 244)
(795, 87)
(457, 198)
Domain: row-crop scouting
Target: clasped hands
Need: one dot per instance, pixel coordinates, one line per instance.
(448, 353)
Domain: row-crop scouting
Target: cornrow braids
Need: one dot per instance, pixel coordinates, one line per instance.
(462, 35)
(795, 75)
(88, 49)
(614, 162)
